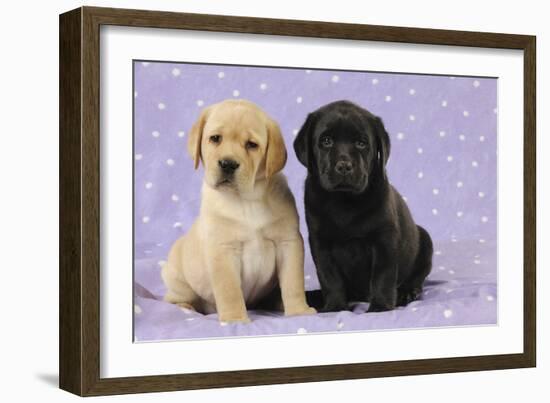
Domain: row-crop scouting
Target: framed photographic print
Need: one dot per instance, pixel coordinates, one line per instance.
(251, 201)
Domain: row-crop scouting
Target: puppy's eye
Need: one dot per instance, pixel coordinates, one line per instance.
(250, 145)
(326, 142)
(216, 139)
(360, 144)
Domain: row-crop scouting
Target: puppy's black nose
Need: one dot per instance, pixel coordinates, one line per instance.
(228, 166)
(344, 167)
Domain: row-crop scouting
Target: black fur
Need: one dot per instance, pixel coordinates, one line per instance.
(364, 242)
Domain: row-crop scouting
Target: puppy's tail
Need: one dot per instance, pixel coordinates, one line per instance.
(314, 298)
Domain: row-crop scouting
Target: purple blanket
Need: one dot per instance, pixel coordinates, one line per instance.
(443, 132)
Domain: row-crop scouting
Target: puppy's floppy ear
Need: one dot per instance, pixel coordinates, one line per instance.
(302, 140)
(275, 158)
(195, 137)
(382, 144)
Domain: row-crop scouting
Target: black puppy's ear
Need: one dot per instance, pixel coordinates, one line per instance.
(382, 144)
(302, 140)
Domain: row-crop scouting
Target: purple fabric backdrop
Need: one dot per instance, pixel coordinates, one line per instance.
(443, 131)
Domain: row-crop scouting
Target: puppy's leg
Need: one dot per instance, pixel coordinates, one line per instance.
(383, 283)
(223, 265)
(331, 280)
(412, 287)
(290, 270)
(179, 292)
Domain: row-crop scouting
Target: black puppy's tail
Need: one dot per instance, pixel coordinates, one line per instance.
(314, 298)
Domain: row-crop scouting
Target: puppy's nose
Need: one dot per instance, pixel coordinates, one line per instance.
(228, 166)
(344, 167)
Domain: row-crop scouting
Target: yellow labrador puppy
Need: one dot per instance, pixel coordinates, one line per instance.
(246, 240)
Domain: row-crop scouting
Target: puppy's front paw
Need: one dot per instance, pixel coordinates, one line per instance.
(233, 317)
(377, 307)
(305, 310)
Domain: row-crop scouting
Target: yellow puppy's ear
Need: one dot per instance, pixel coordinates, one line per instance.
(195, 137)
(276, 150)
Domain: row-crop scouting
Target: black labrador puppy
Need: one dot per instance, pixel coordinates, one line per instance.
(364, 242)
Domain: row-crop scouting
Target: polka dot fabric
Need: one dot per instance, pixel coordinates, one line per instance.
(443, 161)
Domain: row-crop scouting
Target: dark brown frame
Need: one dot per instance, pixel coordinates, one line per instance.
(79, 200)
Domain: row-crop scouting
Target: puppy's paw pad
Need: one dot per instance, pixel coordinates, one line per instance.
(225, 320)
(184, 306)
(304, 311)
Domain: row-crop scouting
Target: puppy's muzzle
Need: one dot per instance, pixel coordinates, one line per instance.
(344, 167)
(228, 166)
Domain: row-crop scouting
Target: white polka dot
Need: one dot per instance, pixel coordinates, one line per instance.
(387, 98)
(476, 83)
(495, 111)
(295, 131)
(170, 162)
(448, 291)
(477, 261)
(301, 331)
(176, 72)
(482, 240)
(189, 319)
(414, 309)
(450, 158)
(481, 194)
(340, 325)
(299, 100)
(400, 136)
(412, 117)
(161, 263)
(308, 71)
(221, 74)
(374, 81)
(437, 252)
(466, 114)
(447, 313)
(148, 185)
(161, 106)
(145, 64)
(452, 271)
(145, 219)
(484, 219)
(263, 86)
(419, 150)
(175, 197)
(200, 102)
(474, 164)
(135, 94)
(412, 91)
(490, 298)
(444, 103)
(452, 78)
(420, 175)
(137, 309)
(462, 137)
(138, 157)
(481, 138)
(181, 133)
(177, 224)
(335, 79)
(223, 323)
(441, 268)
(236, 93)
(442, 133)
(459, 184)
(435, 191)
(307, 277)
(459, 213)
(434, 211)
(155, 133)
(405, 198)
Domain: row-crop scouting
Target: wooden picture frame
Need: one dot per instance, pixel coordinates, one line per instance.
(80, 199)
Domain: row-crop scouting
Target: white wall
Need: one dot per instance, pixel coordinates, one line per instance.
(29, 202)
